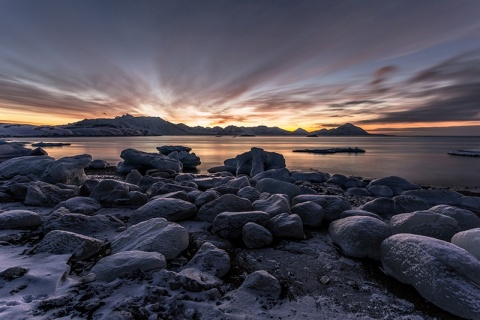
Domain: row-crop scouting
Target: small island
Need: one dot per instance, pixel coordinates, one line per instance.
(332, 150)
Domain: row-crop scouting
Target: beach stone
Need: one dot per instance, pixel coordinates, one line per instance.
(211, 182)
(168, 208)
(87, 187)
(359, 236)
(238, 183)
(338, 179)
(160, 187)
(43, 194)
(273, 205)
(217, 169)
(311, 213)
(142, 161)
(359, 192)
(229, 224)
(256, 236)
(181, 195)
(111, 267)
(286, 226)
(468, 240)
(189, 160)
(99, 164)
(109, 190)
(250, 193)
(384, 207)
(470, 203)
(425, 223)
(397, 184)
(380, 191)
(315, 177)
(466, 219)
(133, 177)
(13, 273)
(359, 212)
(69, 170)
(387, 208)
(169, 149)
(194, 280)
(147, 181)
(255, 161)
(333, 206)
(10, 150)
(282, 174)
(19, 219)
(38, 152)
(441, 272)
(134, 199)
(24, 166)
(79, 223)
(154, 235)
(262, 283)
(436, 197)
(62, 242)
(83, 205)
(406, 203)
(227, 202)
(205, 197)
(273, 186)
(210, 259)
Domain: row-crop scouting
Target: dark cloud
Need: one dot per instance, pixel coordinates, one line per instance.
(382, 74)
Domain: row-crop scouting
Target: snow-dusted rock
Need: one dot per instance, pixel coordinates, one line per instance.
(19, 219)
(194, 280)
(142, 161)
(466, 219)
(79, 223)
(168, 208)
(425, 223)
(255, 161)
(69, 170)
(397, 184)
(210, 259)
(386, 207)
(249, 193)
(286, 225)
(189, 160)
(359, 236)
(229, 224)
(333, 206)
(10, 150)
(262, 283)
(282, 174)
(24, 166)
(469, 240)
(109, 190)
(256, 236)
(316, 177)
(359, 212)
(273, 205)
(83, 205)
(157, 234)
(44, 194)
(441, 272)
(311, 213)
(275, 186)
(436, 197)
(112, 267)
(227, 202)
(61, 242)
(99, 164)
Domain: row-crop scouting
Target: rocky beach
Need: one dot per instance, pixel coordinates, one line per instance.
(145, 239)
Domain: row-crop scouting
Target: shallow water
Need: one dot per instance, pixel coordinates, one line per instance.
(423, 160)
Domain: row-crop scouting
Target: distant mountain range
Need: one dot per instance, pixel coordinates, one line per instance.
(128, 125)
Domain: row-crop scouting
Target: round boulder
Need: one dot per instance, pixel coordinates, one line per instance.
(425, 223)
(469, 240)
(256, 236)
(169, 208)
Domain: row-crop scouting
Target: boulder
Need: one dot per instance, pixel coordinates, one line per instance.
(282, 174)
(359, 236)
(398, 185)
(311, 213)
(262, 283)
(142, 161)
(227, 202)
(380, 191)
(359, 192)
(205, 183)
(466, 219)
(181, 195)
(469, 240)
(359, 212)
(194, 280)
(441, 272)
(19, 219)
(169, 149)
(112, 267)
(154, 235)
(38, 152)
(99, 164)
(10, 150)
(470, 203)
(315, 177)
(81, 224)
(134, 199)
(217, 169)
(275, 186)
(286, 226)
(206, 197)
(229, 224)
(168, 208)
(256, 236)
(345, 182)
(273, 205)
(425, 223)
(62, 242)
(249, 193)
(83, 205)
(435, 197)
(109, 190)
(387, 208)
(24, 166)
(87, 187)
(133, 177)
(210, 259)
(255, 161)
(43, 194)
(69, 170)
(161, 187)
(333, 206)
(238, 183)
(188, 160)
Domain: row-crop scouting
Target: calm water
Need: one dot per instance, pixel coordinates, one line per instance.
(422, 160)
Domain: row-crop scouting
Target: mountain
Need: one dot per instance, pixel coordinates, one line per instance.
(347, 129)
(300, 132)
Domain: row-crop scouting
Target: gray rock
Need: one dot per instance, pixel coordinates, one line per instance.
(211, 182)
(44, 194)
(316, 177)
(99, 164)
(157, 235)
(134, 199)
(19, 219)
(133, 177)
(397, 184)
(380, 191)
(425, 223)
(227, 202)
(38, 152)
(249, 193)
(62, 242)
(466, 219)
(238, 183)
(470, 203)
(273, 186)
(255, 161)
(108, 190)
(359, 192)
(81, 224)
(435, 197)
(87, 187)
(286, 226)
(24, 166)
(181, 195)
(194, 280)
(206, 197)
(406, 203)
(282, 174)
(69, 170)
(256, 236)
(441, 272)
(10, 150)
(210, 259)
(311, 213)
(83, 205)
(338, 179)
(333, 206)
(112, 267)
(217, 169)
(359, 212)
(468, 240)
(229, 224)
(262, 283)
(387, 208)
(169, 149)
(273, 205)
(359, 236)
(189, 160)
(167, 208)
(142, 161)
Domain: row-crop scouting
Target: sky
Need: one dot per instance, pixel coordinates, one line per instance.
(387, 66)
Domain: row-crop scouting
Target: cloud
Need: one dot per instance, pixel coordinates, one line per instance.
(382, 74)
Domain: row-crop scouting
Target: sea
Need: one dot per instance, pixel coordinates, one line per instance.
(422, 160)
